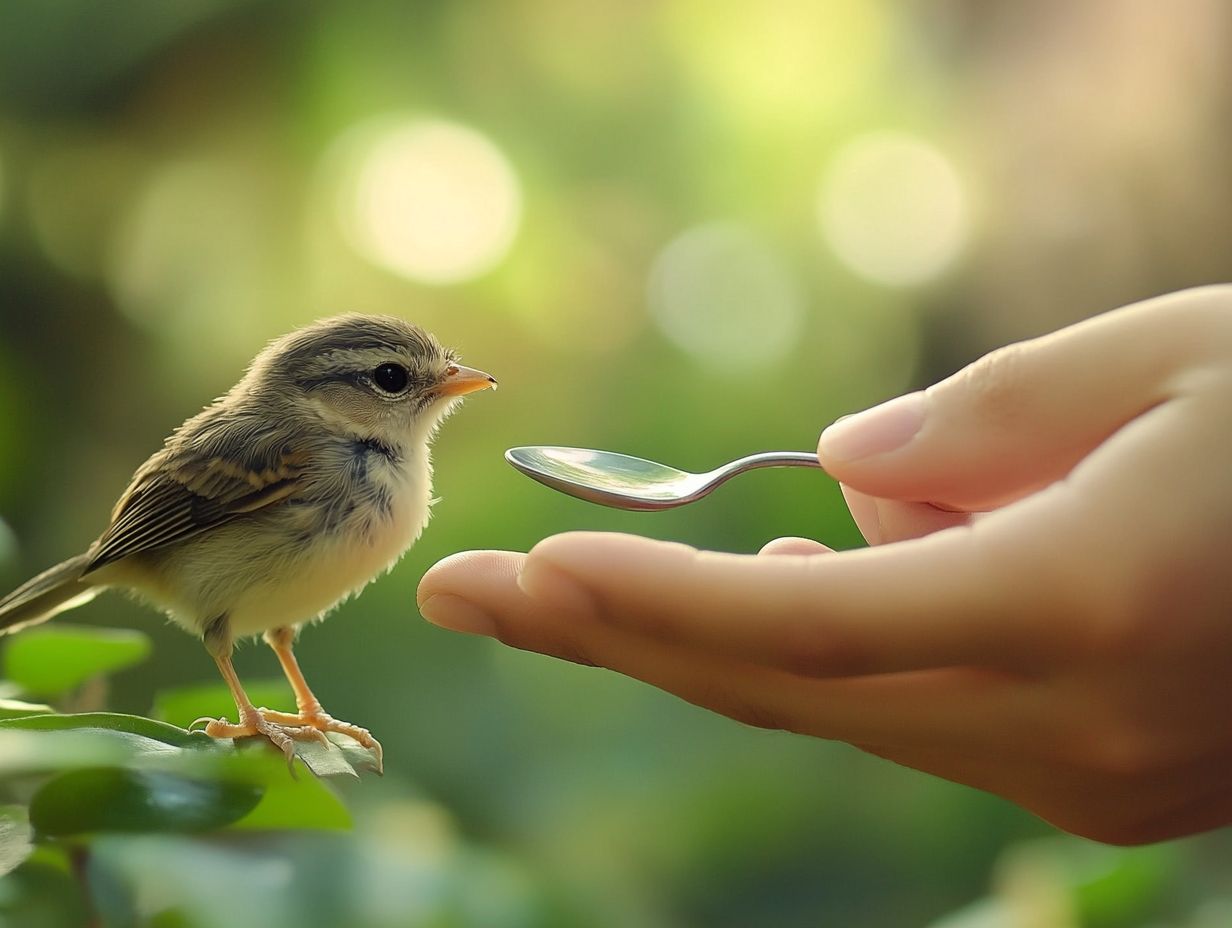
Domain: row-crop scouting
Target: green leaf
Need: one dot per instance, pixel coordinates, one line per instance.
(85, 743)
(109, 721)
(53, 659)
(16, 708)
(341, 757)
(119, 800)
(50, 743)
(24, 753)
(359, 757)
(338, 756)
(184, 705)
(15, 843)
(57, 743)
(303, 802)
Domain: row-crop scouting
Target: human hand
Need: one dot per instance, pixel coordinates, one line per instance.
(1046, 612)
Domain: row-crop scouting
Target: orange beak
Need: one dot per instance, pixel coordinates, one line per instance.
(460, 381)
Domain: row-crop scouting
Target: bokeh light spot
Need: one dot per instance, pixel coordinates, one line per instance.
(760, 57)
(893, 209)
(724, 296)
(432, 201)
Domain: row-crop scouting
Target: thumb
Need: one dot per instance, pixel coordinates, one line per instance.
(1023, 416)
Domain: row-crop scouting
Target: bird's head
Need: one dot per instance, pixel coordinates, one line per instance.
(366, 377)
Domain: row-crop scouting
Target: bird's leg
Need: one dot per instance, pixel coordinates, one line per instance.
(252, 721)
(310, 712)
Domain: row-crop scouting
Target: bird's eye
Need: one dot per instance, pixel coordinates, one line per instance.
(392, 378)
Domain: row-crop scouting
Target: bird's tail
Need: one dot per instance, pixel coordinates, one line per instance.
(50, 592)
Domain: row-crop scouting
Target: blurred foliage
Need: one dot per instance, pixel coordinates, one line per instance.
(184, 705)
(687, 230)
(54, 659)
(74, 783)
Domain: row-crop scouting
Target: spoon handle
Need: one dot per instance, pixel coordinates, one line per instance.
(763, 459)
(774, 459)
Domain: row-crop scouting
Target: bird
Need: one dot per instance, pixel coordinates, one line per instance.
(279, 500)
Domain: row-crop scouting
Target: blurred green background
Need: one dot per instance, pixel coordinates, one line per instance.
(688, 230)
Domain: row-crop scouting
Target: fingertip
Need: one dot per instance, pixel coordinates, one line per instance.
(882, 521)
(457, 614)
(873, 432)
(454, 574)
(794, 545)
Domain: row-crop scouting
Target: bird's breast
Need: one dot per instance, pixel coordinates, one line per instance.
(390, 509)
(356, 534)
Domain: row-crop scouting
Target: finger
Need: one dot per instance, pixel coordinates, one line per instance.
(935, 708)
(882, 521)
(946, 600)
(1021, 417)
(443, 597)
(798, 546)
(863, 509)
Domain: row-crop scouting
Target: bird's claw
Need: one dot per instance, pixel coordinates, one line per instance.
(321, 722)
(262, 722)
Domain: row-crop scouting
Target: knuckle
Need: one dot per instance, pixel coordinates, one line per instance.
(994, 383)
(1098, 617)
(1112, 631)
(1120, 747)
(1108, 785)
(1124, 752)
(1119, 611)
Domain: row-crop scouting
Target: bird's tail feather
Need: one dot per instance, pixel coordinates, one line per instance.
(50, 592)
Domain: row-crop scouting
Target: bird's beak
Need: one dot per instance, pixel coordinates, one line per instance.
(461, 380)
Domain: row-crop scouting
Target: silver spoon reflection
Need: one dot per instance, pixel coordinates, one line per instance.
(626, 482)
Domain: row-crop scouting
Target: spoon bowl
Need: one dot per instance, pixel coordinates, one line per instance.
(626, 482)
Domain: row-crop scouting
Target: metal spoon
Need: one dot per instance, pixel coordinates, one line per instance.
(626, 482)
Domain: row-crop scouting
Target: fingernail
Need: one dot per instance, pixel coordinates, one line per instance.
(874, 431)
(457, 614)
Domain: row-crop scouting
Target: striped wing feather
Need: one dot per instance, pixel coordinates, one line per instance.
(171, 500)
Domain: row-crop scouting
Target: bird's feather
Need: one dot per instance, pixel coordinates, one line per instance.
(43, 596)
(181, 492)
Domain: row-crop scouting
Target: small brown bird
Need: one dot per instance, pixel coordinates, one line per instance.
(276, 502)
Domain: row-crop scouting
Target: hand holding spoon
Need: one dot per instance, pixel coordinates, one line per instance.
(625, 482)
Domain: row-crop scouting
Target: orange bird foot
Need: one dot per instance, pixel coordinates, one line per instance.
(255, 723)
(322, 722)
(285, 728)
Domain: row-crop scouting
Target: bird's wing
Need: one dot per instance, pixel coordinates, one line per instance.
(180, 493)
